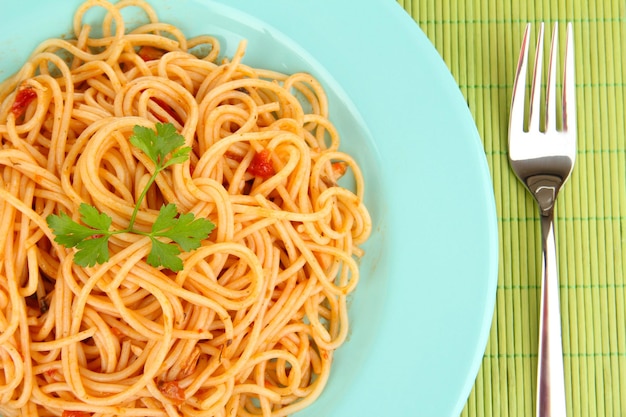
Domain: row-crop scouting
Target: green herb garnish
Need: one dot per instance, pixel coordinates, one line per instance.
(184, 231)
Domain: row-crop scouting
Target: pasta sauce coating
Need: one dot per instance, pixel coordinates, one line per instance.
(250, 324)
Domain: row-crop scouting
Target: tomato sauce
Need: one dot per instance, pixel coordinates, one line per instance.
(261, 165)
(23, 98)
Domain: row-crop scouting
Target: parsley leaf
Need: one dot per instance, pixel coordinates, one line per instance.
(179, 156)
(91, 239)
(164, 254)
(92, 251)
(166, 217)
(157, 145)
(168, 139)
(68, 232)
(185, 230)
(92, 217)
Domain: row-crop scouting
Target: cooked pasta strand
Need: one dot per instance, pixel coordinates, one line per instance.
(249, 326)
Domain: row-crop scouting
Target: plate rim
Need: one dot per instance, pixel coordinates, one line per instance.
(408, 26)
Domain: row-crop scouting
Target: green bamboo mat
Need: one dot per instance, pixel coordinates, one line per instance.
(479, 41)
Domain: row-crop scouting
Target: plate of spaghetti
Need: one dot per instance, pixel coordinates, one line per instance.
(234, 208)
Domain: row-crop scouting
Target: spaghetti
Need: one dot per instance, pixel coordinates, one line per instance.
(249, 326)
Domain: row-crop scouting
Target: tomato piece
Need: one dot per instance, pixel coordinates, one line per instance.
(172, 390)
(150, 53)
(53, 374)
(23, 98)
(339, 169)
(73, 413)
(261, 165)
(168, 109)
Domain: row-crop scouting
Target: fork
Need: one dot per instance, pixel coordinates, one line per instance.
(543, 160)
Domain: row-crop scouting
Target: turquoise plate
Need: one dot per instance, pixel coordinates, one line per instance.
(421, 315)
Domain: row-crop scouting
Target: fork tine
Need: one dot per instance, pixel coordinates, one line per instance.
(516, 120)
(535, 89)
(551, 83)
(569, 88)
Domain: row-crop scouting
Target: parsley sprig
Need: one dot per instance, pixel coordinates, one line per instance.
(170, 232)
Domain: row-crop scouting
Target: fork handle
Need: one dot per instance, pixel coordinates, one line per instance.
(550, 375)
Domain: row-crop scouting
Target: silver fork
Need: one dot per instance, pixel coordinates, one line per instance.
(543, 160)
